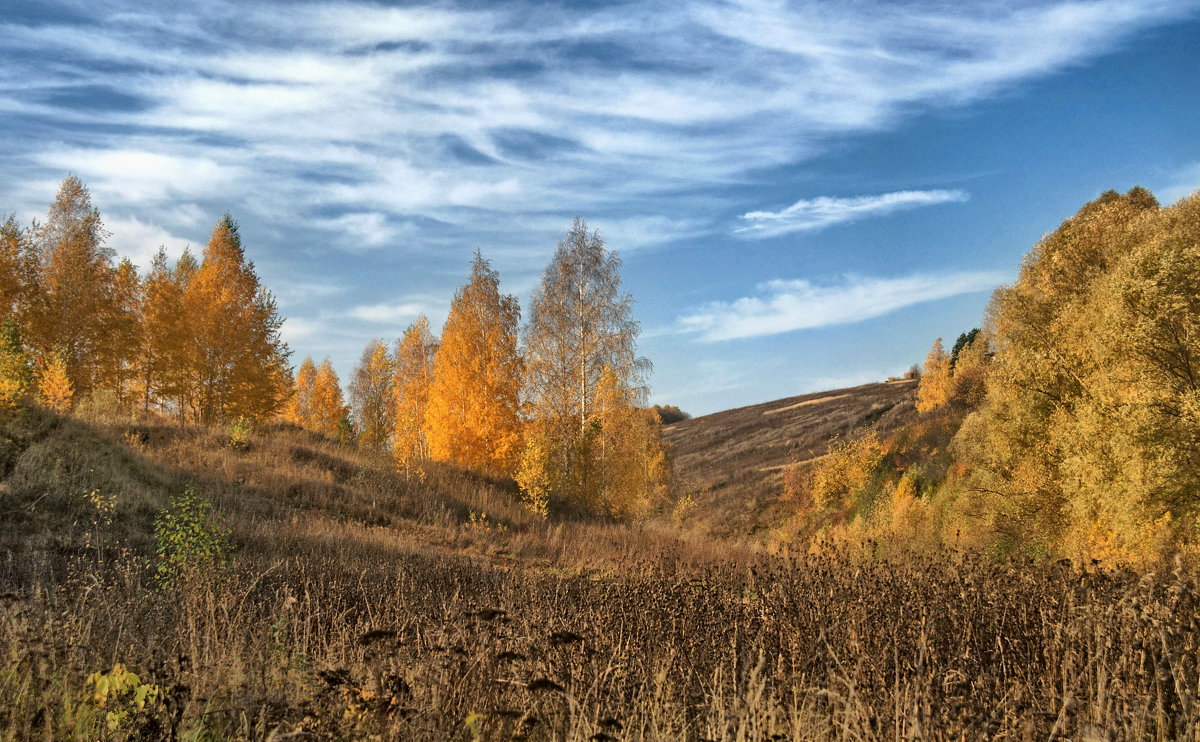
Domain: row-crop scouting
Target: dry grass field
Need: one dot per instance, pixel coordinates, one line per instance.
(353, 604)
(734, 460)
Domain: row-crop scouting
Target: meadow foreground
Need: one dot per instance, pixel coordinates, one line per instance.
(354, 605)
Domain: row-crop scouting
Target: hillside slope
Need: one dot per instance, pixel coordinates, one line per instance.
(734, 460)
(358, 605)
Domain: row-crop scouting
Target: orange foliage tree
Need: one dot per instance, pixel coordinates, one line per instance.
(934, 388)
(410, 388)
(122, 344)
(299, 409)
(327, 407)
(14, 255)
(165, 334)
(55, 390)
(238, 360)
(473, 417)
(70, 291)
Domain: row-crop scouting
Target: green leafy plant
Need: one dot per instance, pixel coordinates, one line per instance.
(100, 517)
(188, 539)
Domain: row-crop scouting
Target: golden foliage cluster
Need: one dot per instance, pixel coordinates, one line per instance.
(198, 340)
(1086, 442)
(561, 411)
(473, 413)
(1069, 424)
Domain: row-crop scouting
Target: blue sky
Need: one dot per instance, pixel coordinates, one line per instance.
(804, 195)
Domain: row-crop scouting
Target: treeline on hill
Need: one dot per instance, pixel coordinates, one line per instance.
(198, 340)
(558, 406)
(1068, 425)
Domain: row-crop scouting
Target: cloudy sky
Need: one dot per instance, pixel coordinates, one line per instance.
(804, 195)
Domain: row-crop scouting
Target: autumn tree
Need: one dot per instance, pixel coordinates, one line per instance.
(165, 337)
(372, 401)
(935, 387)
(414, 368)
(630, 460)
(473, 414)
(121, 336)
(299, 410)
(328, 408)
(841, 474)
(15, 251)
(16, 374)
(580, 325)
(1086, 438)
(71, 291)
(55, 390)
(239, 362)
(970, 363)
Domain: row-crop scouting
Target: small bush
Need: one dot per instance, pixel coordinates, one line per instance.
(128, 703)
(239, 434)
(188, 539)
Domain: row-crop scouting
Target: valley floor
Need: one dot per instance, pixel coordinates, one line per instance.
(358, 605)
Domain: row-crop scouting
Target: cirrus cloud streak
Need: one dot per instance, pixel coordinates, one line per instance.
(807, 215)
(788, 305)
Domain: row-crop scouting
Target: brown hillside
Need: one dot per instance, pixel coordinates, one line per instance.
(734, 459)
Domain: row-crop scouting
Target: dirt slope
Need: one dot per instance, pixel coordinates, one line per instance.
(734, 459)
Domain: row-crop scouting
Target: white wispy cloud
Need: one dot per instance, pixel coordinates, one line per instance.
(811, 214)
(399, 313)
(696, 93)
(365, 229)
(1183, 182)
(139, 241)
(787, 305)
(333, 125)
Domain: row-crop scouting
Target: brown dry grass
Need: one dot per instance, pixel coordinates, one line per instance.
(733, 460)
(362, 606)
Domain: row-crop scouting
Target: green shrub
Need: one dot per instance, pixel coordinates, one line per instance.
(188, 539)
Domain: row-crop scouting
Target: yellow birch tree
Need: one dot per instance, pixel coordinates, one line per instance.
(299, 410)
(165, 338)
(15, 372)
(580, 324)
(238, 360)
(70, 293)
(328, 408)
(120, 342)
(935, 386)
(632, 469)
(14, 253)
(415, 354)
(372, 401)
(55, 390)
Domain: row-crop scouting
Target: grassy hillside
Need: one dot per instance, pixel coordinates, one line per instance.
(353, 604)
(734, 460)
